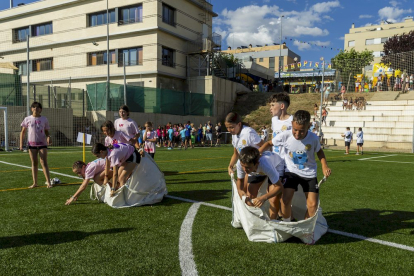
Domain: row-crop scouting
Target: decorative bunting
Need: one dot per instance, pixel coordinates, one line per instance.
(313, 44)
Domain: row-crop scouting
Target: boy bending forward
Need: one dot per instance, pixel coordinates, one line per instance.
(301, 169)
(252, 170)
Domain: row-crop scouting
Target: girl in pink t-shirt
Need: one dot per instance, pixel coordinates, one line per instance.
(122, 158)
(113, 136)
(127, 125)
(94, 170)
(150, 137)
(38, 139)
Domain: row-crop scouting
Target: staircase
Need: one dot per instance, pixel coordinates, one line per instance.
(386, 124)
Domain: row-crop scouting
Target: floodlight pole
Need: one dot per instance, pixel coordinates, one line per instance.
(107, 49)
(28, 75)
(320, 115)
(125, 93)
(11, 4)
(280, 51)
(6, 129)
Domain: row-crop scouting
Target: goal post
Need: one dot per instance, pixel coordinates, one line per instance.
(6, 129)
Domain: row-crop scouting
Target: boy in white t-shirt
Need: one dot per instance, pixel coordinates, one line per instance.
(253, 169)
(348, 139)
(360, 141)
(301, 169)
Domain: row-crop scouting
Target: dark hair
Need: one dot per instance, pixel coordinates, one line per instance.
(109, 125)
(280, 98)
(249, 155)
(39, 105)
(149, 124)
(78, 165)
(98, 147)
(360, 129)
(302, 117)
(348, 128)
(234, 118)
(124, 108)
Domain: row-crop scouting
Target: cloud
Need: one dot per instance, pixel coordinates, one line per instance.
(266, 1)
(260, 24)
(392, 14)
(307, 46)
(365, 16)
(394, 3)
(342, 38)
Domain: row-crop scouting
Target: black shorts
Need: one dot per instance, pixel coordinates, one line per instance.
(360, 144)
(187, 138)
(38, 148)
(294, 180)
(219, 136)
(134, 158)
(347, 144)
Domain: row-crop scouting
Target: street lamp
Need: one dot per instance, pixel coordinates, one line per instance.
(322, 94)
(280, 50)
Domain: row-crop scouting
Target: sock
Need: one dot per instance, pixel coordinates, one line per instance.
(286, 219)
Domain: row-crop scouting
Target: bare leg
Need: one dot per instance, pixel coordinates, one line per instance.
(125, 172)
(35, 166)
(45, 166)
(312, 204)
(274, 204)
(287, 202)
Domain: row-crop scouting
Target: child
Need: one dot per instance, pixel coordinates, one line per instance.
(127, 125)
(344, 104)
(150, 137)
(122, 158)
(114, 136)
(324, 114)
(281, 120)
(253, 169)
(360, 141)
(187, 128)
(170, 133)
(200, 138)
(242, 136)
(38, 139)
(348, 139)
(301, 168)
(94, 170)
(183, 143)
(162, 136)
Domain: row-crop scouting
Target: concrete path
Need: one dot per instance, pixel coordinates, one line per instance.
(406, 96)
(385, 96)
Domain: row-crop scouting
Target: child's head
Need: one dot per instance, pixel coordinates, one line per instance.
(249, 159)
(99, 150)
(360, 129)
(278, 103)
(36, 107)
(148, 125)
(348, 128)
(124, 112)
(108, 128)
(78, 168)
(233, 123)
(300, 124)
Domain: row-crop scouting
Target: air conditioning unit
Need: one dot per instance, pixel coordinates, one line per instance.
(206, 45)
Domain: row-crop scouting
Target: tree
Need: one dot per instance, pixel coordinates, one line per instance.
(399, 52)
(350, 63)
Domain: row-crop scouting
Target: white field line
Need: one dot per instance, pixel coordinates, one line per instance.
(185, 246)
(377, 157)
(390, 161)
(50, 172)
(48, 152)
(356, 236)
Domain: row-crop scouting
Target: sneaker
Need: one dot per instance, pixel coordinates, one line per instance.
(357, 153)
(346, 153)
(169, 148)
(362, 153)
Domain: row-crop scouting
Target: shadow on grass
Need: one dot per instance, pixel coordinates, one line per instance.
(198, 195)
(197, 181)
(54, 237)
(367, 222)
(170, 173)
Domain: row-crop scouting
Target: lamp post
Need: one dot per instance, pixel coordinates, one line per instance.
(280, 51)
(107, 49)
(322, 94)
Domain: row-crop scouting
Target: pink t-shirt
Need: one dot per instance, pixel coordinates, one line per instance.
(95, 167)
(128, 126)
(120, 154)
(36, 127)
(150, 146)
(119, 137)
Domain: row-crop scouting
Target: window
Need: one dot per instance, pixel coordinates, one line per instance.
(168, 15)
(21, 34)
(130, 15)
(260, 59)
(42, 64)
(272, 63)
(100, 18)
(100, 58)
(42, 29)
(22, 67)
(369, 41)
(351, 43)
(378, 54)
(384, 39)
(167, 57)
(80, 96)
(133, 56)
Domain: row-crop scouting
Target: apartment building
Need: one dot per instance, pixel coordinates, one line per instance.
(67, 40)
(268, 56)
(373, 37)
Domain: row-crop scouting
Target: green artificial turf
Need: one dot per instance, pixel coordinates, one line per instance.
(42, 236)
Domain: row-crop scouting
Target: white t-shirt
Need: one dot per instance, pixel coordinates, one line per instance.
(279, 126)
(269, 164)
(360, 137)
(247, 137)
(348, 136)
(128, 126)
(265, 133)
(300, 154)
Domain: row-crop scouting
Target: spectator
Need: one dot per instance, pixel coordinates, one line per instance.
(324, 115)
(348, 139)
(218, 134)
(345, 104)
(343, 91)
(209, 133)
(360, 141)
(265, 133)
(412, 81)
(327, 90)
(315, 111)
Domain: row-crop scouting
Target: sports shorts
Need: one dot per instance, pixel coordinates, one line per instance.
(134, 158)
(360, 144)
(294, 180)
(347, 144)
(38, 147)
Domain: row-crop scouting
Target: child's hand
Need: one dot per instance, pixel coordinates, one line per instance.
(248, 201)
(258, 202)
(230, 170)
(326, 171)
